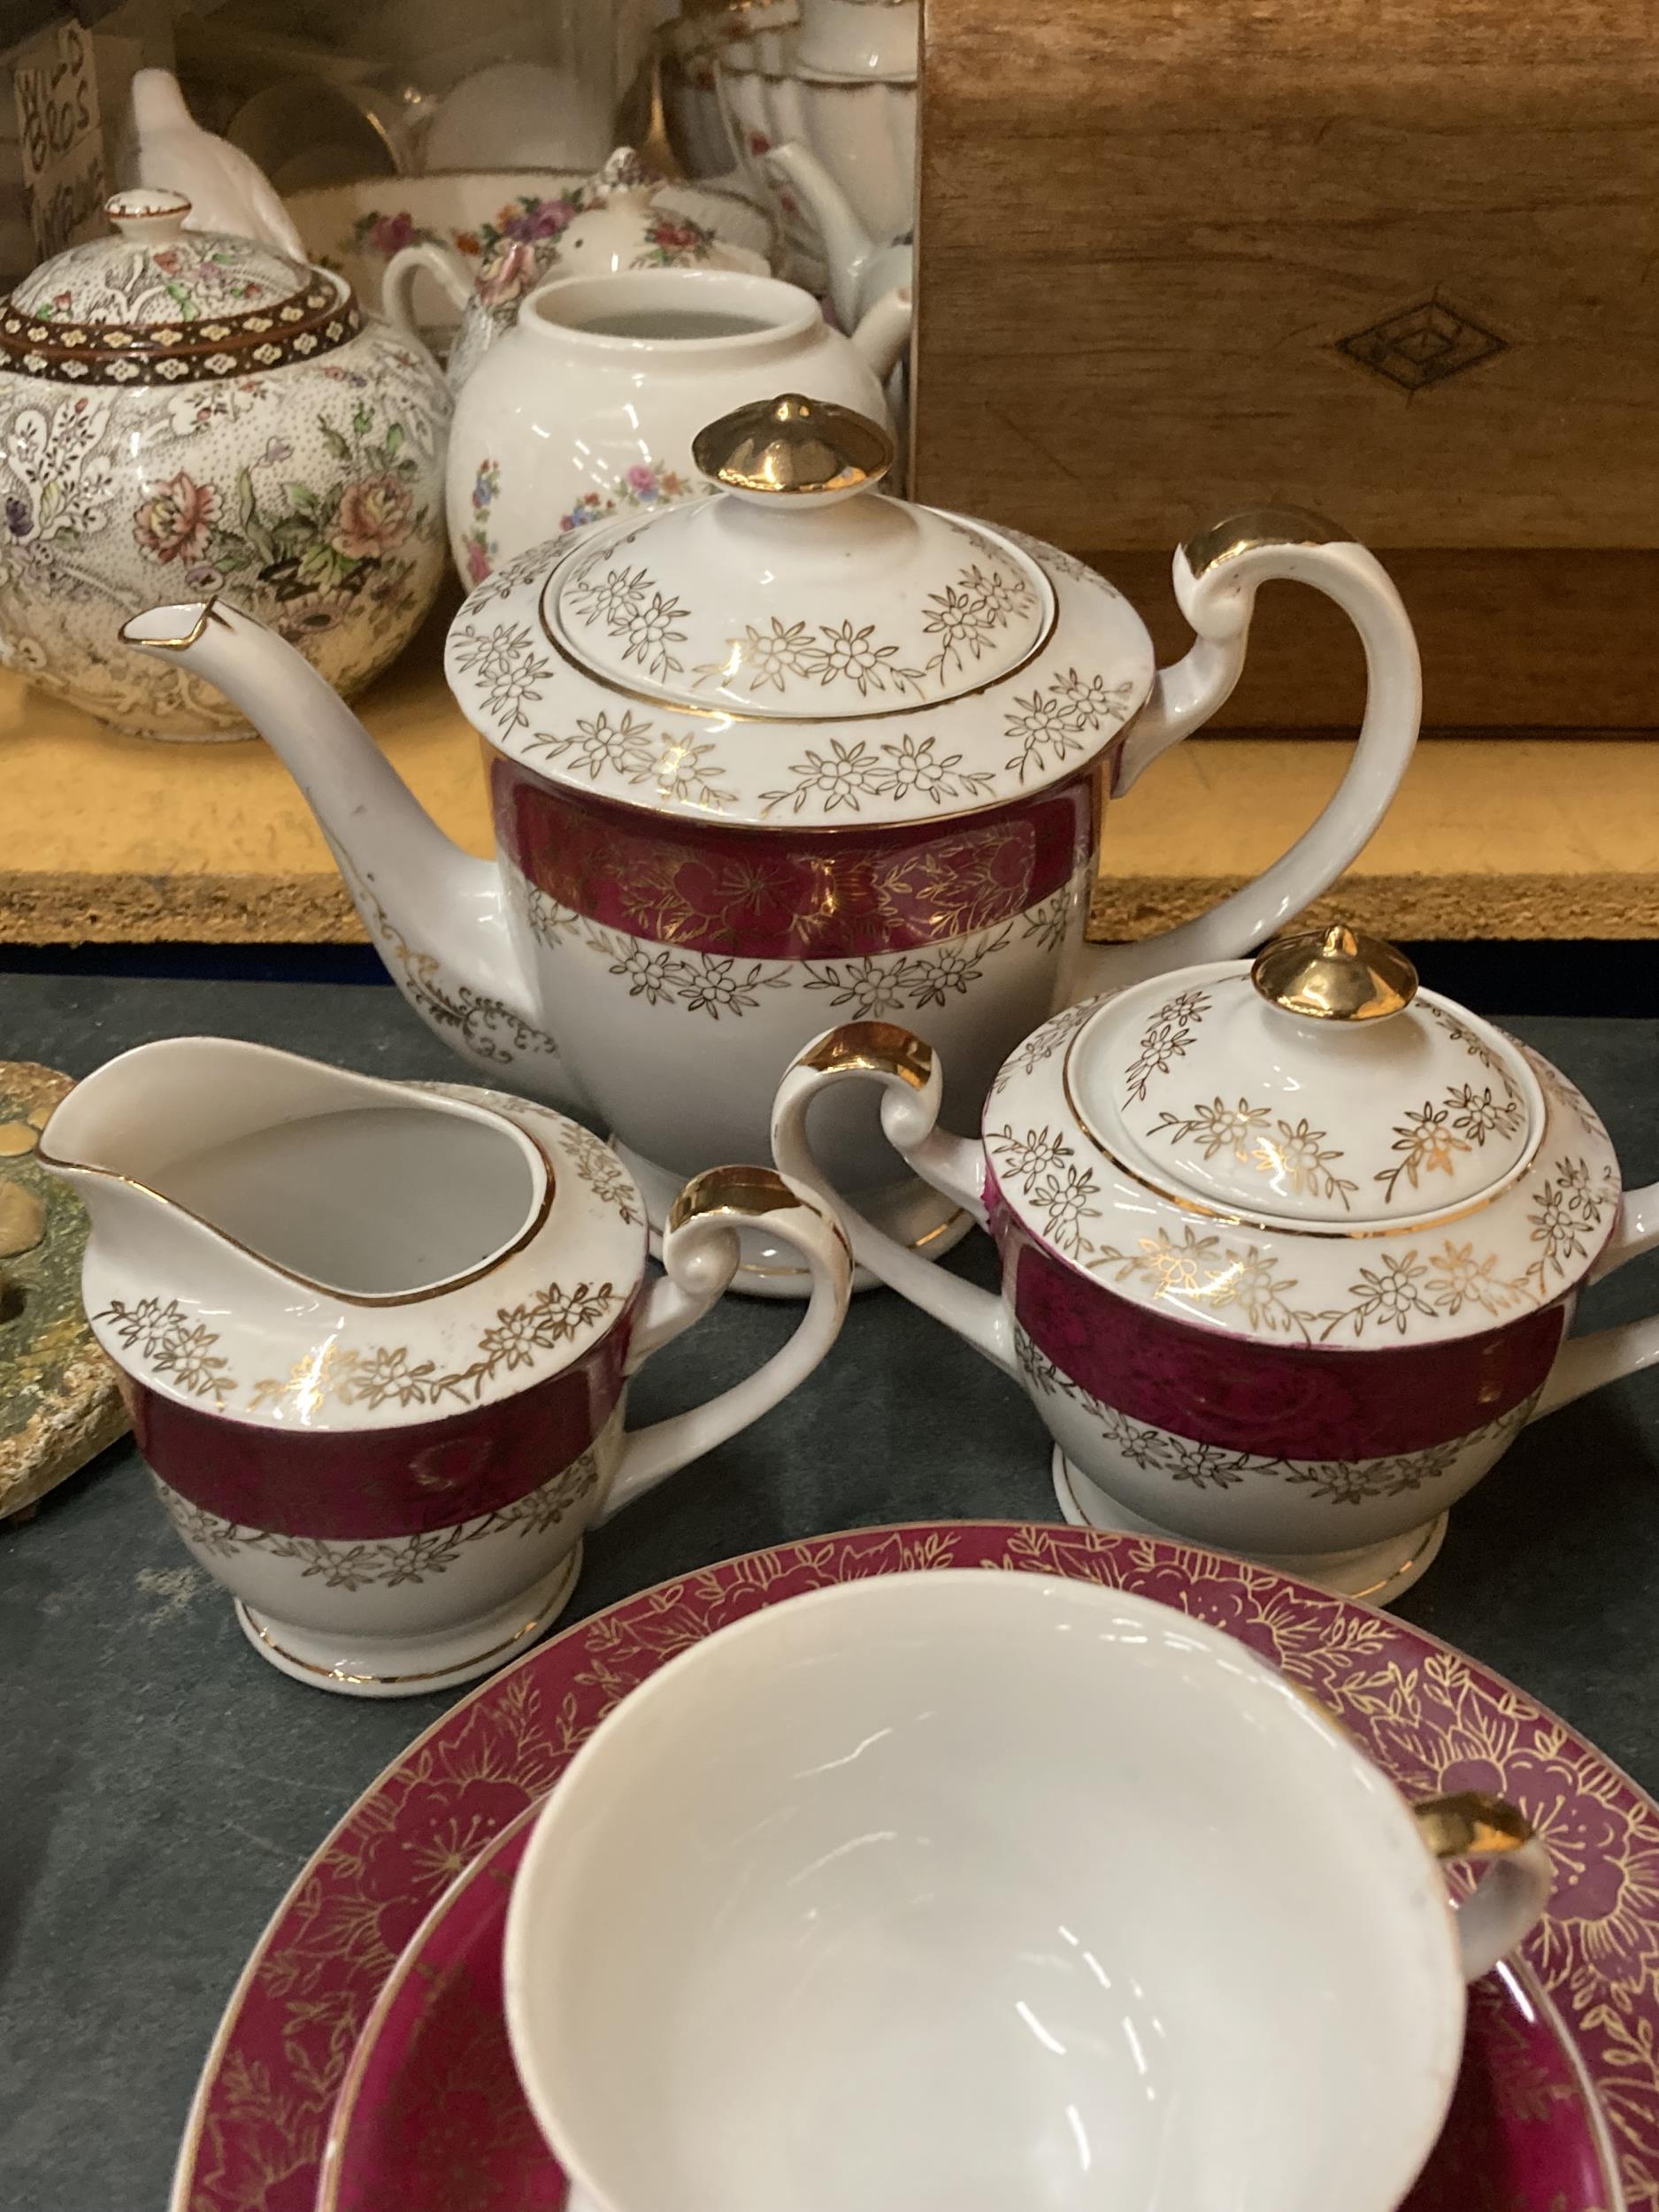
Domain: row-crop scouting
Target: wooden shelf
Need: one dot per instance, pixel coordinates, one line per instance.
(112, 840)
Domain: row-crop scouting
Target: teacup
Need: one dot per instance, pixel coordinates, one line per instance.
(975, 1890)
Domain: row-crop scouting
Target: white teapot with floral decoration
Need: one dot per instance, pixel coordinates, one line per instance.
(1290, 1250)
(622, 221)
(179, 409)
(793, 752)
(376, 1342)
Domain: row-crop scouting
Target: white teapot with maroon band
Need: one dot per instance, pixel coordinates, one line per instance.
(794, 753)
(1290, 1250)
(376, 1342)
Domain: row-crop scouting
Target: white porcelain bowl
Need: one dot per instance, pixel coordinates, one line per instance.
(981, 1891)
(356, 228)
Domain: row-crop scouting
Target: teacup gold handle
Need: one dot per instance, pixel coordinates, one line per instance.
(1511, 1897)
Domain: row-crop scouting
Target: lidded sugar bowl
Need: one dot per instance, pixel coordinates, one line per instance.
(796, 752)
(1289, 1250)
(191, 411)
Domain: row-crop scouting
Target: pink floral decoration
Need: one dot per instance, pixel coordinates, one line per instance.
(174, 521)
(374, 518)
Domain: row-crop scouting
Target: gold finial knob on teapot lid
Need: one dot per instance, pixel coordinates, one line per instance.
(1337, 975)
(793, 447)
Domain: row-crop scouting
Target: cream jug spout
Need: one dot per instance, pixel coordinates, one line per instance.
(126, 1141)
(248, 1182)
(436, 916)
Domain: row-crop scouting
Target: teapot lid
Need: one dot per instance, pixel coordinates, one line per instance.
(1318, 1087)
(802, 593)
(158, 304)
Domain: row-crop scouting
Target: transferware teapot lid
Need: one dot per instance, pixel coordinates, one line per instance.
(804, 594)
(158, 304)
(1318, 1087)
(1304, 1147)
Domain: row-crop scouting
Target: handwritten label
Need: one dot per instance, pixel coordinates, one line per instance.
(60, 137)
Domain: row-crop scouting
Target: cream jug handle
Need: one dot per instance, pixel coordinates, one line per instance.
(1216, 577)
(1508, 1900)
(913, 1088)
(442, 263)
(700, 1257)
(1585, 1362)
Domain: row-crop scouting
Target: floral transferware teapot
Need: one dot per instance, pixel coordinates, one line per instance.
(795, 751)
(376, 1342)
(1289, 1250)
(621, 223)
(186, 409)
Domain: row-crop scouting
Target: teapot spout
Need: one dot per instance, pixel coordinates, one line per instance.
(436, 916)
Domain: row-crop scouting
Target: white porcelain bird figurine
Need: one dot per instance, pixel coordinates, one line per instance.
(226, 191)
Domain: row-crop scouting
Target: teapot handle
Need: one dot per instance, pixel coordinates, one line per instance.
(445, 266)
(912, 1086)
(1216, 577)
(1585, 1362)
(700, 1257)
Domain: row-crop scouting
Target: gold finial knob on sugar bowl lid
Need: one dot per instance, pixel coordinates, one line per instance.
(793, 448)
(1338, 974)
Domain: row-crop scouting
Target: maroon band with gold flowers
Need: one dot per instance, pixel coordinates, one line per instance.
(772, 895)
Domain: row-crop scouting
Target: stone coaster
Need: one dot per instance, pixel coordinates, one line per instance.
(59, 1405)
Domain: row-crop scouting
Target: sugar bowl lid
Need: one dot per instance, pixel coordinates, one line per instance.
(804, 594)
(1318, 1087)
(158, 304)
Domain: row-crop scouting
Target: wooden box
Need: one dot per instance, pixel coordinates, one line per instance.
(1390, 260)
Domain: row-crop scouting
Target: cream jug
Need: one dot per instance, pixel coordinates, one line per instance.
(376, 1340)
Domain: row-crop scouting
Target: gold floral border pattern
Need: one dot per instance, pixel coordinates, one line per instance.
(864, 988)
(174, 1347)
(1157, 1451)
(719, 903)
(385, 1562)
(1423, 1279)
(1046, 727)
(1434, 1720)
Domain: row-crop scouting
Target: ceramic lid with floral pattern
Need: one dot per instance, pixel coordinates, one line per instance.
(805, 592)
(1318, 1086)
(158, 304)
(1304, 1148)
(800, 649)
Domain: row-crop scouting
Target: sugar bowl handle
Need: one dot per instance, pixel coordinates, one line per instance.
(912, 1086)
(700, 1256)
(1585, 1363)
(1509, 1897)
(1216, 577)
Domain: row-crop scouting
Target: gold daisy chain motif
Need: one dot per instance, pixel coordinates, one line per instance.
(163, 1338)
(387, 1562)
(1292, 1155)
(862, 988)
(965, 617)
(1184, 1459)
(1209, 1268)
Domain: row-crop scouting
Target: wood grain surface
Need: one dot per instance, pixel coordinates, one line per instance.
(1155, 239)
